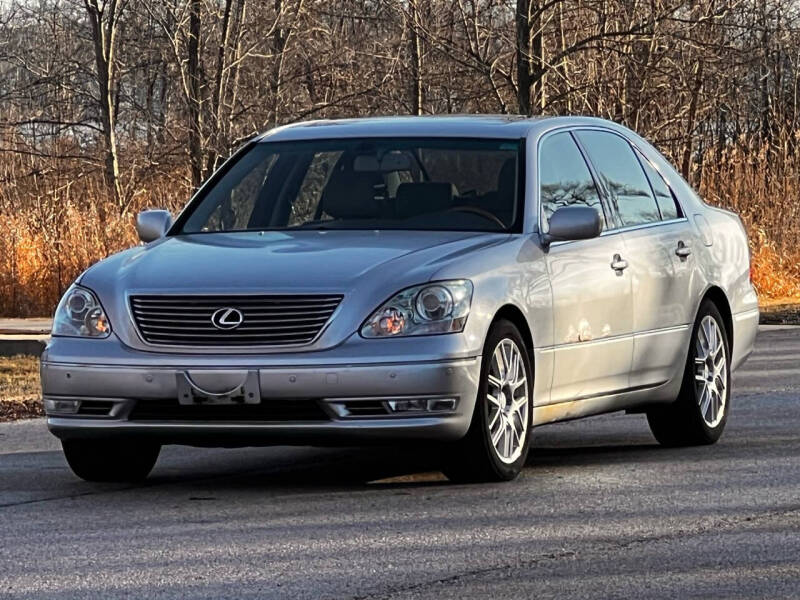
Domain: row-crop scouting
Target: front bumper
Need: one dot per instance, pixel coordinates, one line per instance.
(147, 380)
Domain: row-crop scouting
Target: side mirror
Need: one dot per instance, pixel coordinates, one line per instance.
(573, 223)
(153, 224)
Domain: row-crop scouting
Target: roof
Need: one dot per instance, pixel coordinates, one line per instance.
(486, 126)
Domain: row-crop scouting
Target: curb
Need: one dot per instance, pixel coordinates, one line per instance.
(13, 345)
(780, 314)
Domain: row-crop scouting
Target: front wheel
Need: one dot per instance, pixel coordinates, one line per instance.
(111, 460)
(497, 443)
(699, 414)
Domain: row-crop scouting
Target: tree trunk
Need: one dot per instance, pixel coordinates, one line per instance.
(763, 78)
(195, 99)
(686, 164)
(219, 90)
(415, 46)
(523, 55)
(537, 58)
(530, 57)
(104, 31)
(279, 42)
(563, 66)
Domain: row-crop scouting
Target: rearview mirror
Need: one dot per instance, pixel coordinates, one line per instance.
(153, 224)
(395, 161)
(390, 162)
(570, 223)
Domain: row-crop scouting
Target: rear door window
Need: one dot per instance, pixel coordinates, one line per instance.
(564, 178)
(666, 200)
(622, 176)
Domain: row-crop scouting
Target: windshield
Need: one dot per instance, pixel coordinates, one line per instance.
(419, 184)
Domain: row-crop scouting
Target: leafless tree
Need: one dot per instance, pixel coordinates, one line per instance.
(104, 21)
(110, 105)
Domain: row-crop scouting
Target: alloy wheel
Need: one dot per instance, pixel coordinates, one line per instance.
(711, 373)
(507, 395)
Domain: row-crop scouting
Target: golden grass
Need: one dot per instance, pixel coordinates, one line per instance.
(20, 392)
(761, 183)
(54, 227)
(775, 277)
(39, 275)
(778, 302)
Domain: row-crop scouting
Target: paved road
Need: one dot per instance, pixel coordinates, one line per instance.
(600, 511)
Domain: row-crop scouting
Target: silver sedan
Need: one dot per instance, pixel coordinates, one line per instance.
(456, 281)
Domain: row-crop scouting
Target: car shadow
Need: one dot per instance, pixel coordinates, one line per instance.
(595, 454)
(341, 468)
(393, 468)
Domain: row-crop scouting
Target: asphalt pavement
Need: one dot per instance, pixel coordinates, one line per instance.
(600, 511)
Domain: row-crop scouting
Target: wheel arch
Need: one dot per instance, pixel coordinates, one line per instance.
(512, 313)
(716, 295)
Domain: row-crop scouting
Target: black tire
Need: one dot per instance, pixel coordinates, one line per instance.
(474, 458)
(682, 423)
(111, 460)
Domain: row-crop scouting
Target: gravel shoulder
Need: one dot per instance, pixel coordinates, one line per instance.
(20, 394)
(785, 313)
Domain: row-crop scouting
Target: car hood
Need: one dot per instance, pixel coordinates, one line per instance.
(367, 267)
(303, 261)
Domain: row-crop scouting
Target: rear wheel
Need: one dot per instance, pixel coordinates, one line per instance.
(699, 414)
(111, 460)
(496, 445)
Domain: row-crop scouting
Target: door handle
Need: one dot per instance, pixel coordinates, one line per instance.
(619, 264)
(683, 251)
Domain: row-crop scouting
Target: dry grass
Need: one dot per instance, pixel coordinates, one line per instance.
(761, 183)
(56, 226)
(20, 394)
(58, 220)
(776, 277)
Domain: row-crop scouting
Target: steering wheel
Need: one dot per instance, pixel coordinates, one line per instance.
(477, 211)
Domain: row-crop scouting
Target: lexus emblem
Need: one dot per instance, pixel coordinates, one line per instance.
(227, 318)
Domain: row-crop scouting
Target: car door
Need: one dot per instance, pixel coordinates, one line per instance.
(658, 242)
(592, 293)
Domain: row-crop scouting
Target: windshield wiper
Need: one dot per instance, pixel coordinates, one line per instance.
(311, 226)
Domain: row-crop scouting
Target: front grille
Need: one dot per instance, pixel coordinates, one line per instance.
(267, 320)
(266, 411)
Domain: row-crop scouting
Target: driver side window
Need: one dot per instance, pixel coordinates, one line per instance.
(564, 178)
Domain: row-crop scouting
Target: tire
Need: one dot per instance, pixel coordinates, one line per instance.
(476, 457)
(699, 414)
(111, 460)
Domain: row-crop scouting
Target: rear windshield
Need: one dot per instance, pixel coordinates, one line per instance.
(418, 184)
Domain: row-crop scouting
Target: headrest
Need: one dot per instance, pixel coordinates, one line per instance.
(420, 198)
(351, 195)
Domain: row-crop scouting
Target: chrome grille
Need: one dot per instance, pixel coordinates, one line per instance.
(268, 320)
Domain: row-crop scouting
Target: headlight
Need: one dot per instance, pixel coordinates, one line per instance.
(440, 307)
(79, 314)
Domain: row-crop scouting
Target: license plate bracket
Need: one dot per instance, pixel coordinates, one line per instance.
(218, 387)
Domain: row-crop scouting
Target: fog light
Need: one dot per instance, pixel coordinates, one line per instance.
(441, 404)
(423, 405)
(61, 406)
(416, 405)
